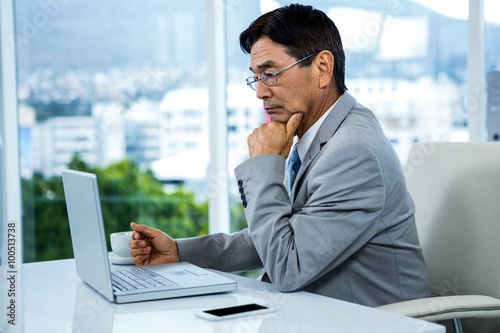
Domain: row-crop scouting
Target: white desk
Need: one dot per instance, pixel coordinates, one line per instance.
(53, 299)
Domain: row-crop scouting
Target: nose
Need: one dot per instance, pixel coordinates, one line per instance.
(263, 91)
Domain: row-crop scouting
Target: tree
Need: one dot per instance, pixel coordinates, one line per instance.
(126, 194)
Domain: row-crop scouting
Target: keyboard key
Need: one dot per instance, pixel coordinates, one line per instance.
(137, 278)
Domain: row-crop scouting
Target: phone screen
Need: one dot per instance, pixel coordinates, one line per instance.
(235, 310)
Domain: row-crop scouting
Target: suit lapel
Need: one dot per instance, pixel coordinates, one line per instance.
(325, 132)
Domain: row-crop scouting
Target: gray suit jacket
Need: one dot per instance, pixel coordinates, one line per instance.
(349, 231)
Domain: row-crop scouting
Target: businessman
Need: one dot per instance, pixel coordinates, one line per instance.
(324, 194)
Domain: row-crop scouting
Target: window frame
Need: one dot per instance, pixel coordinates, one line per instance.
(476, 72)
(10, 193)
(218, 178)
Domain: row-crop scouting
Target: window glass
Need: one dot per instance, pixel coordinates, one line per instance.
(244, 110)
(405, 60)
(120, 90)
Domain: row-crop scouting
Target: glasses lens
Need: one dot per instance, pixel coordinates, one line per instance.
(252, 82)
(268, 78)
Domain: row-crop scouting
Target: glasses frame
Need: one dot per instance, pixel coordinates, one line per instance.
(271, 78)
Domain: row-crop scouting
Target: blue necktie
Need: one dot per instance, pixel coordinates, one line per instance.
(293, 167)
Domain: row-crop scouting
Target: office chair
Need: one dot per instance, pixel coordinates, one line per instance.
(456, 190)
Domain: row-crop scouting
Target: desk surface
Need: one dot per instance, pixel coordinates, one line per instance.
(51, 298)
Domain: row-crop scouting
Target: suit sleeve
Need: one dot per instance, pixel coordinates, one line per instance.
(229, 253)
(335, 213)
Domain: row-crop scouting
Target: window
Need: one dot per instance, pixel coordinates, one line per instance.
(405, 60)
(120, 91)
(123, 90)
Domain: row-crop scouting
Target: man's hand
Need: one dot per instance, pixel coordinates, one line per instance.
(273, 138)
(151, 246)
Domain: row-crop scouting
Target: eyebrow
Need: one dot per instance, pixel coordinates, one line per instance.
(264, 66)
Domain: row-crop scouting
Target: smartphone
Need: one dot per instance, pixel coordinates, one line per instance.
(235, 311)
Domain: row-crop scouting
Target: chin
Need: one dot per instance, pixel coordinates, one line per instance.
(280, 118)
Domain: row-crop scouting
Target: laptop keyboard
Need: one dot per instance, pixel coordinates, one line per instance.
(137, 278)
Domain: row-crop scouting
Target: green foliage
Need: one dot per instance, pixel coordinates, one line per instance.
(45, 227)
(127, 194)
(237, 215)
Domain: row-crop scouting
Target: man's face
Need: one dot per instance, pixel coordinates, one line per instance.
(294, 90)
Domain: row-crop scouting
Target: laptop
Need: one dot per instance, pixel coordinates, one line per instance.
(124, 284)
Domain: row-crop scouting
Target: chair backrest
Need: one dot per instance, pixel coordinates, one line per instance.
(456, 190)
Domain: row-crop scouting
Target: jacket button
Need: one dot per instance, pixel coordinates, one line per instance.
(244, 203)
(240, 182)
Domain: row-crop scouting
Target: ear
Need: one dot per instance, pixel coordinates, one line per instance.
(325, 63)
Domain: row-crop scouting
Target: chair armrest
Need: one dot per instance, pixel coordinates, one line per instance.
(447, 307)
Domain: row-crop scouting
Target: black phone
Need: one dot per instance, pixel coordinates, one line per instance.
(235, 311)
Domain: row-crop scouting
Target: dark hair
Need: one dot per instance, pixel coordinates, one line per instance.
(302, 30)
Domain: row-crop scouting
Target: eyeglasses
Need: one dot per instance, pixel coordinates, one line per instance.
(269, 78)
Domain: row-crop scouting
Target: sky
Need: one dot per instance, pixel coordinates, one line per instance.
(460, 8)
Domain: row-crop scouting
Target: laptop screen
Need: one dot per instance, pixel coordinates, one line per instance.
(87, 230)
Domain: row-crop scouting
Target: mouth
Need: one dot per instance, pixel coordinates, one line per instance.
(270, 110)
